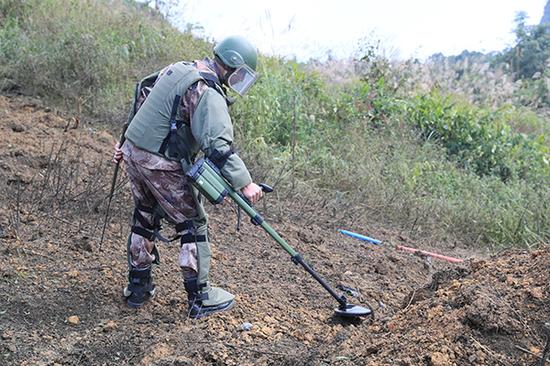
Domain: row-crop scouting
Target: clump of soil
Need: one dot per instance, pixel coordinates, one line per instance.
(62, 298)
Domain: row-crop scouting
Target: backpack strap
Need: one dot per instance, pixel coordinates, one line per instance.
(172, 137)
(136, 95)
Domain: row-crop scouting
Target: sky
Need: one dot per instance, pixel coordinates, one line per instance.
(314, 29)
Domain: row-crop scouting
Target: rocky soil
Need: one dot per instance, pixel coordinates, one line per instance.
(61, 294)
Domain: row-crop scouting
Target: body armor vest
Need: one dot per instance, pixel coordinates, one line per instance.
(159, 118)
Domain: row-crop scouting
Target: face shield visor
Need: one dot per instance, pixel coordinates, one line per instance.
(242, 79)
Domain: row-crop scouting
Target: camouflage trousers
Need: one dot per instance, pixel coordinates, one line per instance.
(158, 183)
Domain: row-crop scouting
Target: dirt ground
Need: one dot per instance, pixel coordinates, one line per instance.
(61, 295)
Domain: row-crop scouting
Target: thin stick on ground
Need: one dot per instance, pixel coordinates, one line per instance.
(531, 353)
(410, 300)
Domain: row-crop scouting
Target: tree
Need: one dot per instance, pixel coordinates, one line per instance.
(532, 50)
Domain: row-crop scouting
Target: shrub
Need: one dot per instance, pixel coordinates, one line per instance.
(350, 150)
(481, 139)
(86, 54)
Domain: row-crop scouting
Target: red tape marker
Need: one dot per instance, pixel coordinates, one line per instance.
(430, 254)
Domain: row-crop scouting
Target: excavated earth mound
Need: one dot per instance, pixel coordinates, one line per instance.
(62, 302)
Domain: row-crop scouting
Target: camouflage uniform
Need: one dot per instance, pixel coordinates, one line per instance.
(157, 180)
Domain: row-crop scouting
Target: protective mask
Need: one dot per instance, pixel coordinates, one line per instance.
(242, 79)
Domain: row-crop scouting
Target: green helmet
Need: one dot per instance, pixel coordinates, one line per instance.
(240, 55)
(234, 51)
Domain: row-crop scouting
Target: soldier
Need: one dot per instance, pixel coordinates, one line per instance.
(179, 111)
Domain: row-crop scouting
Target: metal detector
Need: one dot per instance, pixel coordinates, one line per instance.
(205, 176)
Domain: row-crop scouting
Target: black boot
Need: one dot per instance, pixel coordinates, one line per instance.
(140, 287)
(196, 296)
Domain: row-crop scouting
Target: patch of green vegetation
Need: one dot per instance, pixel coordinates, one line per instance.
(381, 148)
(481, 139)
(86, 53)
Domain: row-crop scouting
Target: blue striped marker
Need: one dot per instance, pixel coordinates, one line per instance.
(360, 237)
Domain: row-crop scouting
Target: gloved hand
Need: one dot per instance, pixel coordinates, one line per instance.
(117, 156)
(252, 192)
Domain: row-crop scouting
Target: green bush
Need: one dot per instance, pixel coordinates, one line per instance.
(481, 139)
(86, 54)
(350, 150)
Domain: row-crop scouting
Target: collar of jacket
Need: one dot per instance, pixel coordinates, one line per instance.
(211, 72)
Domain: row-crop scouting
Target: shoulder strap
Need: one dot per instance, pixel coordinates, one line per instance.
(171, 138)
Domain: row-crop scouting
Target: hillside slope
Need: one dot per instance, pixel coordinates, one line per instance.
(62, 302)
